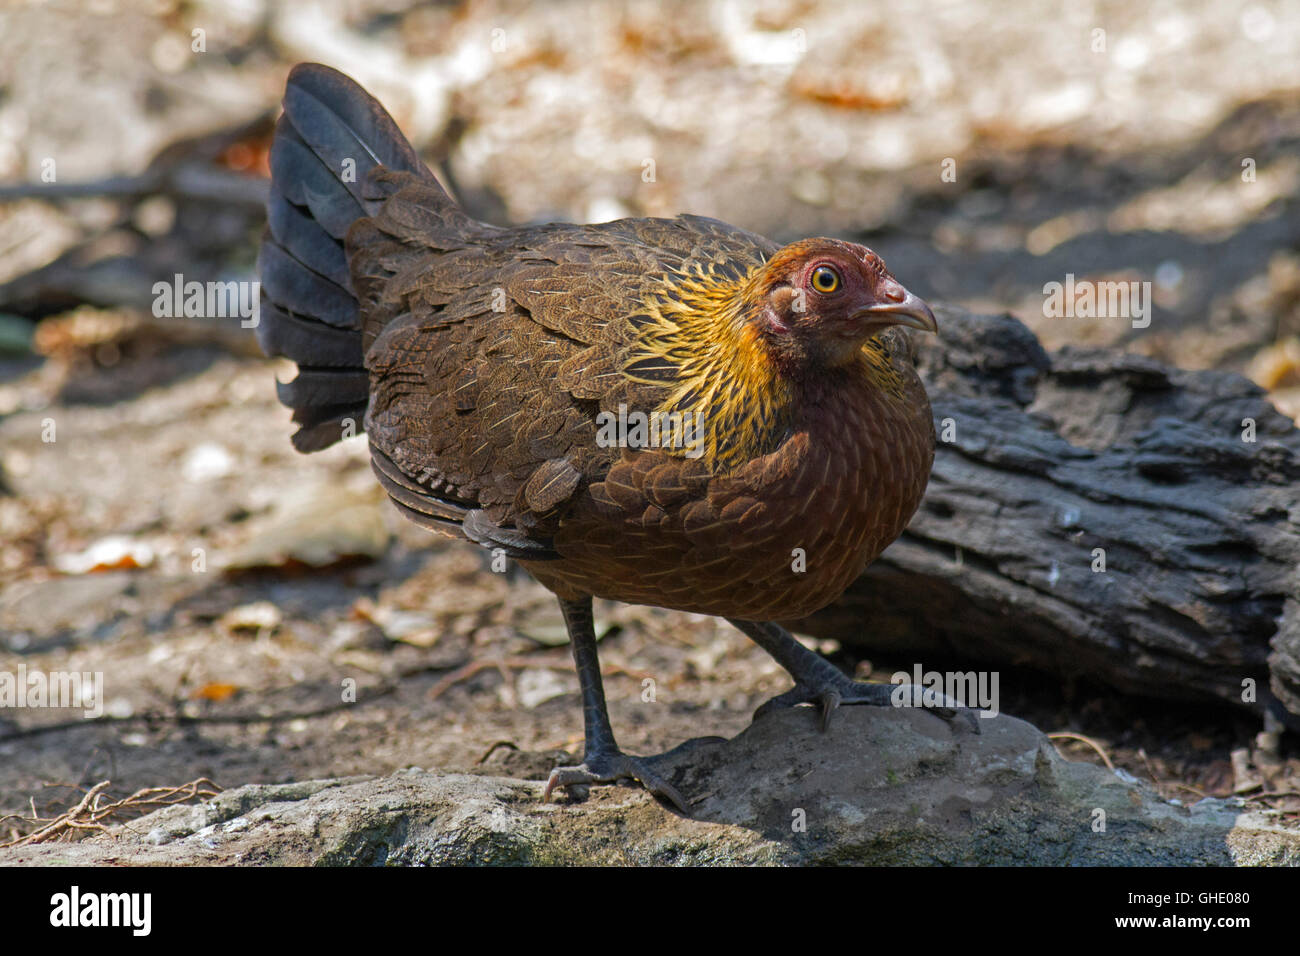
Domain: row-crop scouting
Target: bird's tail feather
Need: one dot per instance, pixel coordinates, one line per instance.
(332, 135)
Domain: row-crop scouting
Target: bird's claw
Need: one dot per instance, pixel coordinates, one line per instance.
(610, 768)
(947, 708)
(828, 699)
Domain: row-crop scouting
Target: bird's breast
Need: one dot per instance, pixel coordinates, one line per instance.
(776, 539)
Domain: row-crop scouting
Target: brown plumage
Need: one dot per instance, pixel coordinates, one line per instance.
(784, 437)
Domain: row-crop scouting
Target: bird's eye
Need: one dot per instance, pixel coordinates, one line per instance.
(825, 279)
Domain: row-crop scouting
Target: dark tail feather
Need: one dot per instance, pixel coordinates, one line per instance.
(331, 136)
(341, 121)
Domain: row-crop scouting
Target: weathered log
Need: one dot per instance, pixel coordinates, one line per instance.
(1042, 460)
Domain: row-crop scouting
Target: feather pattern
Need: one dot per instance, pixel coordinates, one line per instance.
(492, 364)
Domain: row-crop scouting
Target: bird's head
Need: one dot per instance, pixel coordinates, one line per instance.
(817, 301)
(740, 350)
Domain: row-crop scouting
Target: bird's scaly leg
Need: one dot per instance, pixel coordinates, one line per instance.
(602, 761)
(818, 681)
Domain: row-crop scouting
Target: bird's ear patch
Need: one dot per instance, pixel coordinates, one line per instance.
(783, 304)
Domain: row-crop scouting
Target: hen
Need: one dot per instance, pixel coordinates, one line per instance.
(672, 412)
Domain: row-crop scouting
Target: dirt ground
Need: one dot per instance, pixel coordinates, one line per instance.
(156, 526)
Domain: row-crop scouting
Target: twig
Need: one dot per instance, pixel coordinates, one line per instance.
(1065, 735)
(1152, 771)
(507, 744)
(1188, 787)
(90, 814)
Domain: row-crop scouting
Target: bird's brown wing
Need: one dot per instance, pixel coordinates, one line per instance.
(492, 351)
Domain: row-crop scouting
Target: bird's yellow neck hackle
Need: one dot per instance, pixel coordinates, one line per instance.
(696, 345)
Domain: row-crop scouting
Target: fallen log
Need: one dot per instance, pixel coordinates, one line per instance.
(1094, 513)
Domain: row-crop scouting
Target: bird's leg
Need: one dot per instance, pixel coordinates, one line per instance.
(602, 761)
(818, 681)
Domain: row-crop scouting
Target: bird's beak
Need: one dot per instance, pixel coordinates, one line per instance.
(904, 309)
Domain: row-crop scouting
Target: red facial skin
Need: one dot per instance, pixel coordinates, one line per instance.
(805, 325)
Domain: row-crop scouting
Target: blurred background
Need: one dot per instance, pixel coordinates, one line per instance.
(156, 526)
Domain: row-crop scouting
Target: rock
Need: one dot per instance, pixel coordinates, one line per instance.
(881, 787)
(257, 618)
(314, 526)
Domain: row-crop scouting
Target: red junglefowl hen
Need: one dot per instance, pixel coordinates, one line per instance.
(672, 412)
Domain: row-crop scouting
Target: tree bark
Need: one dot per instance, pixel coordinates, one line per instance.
(1045, 465)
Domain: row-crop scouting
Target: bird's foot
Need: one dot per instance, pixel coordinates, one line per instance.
(830, 695)
(610, 768)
